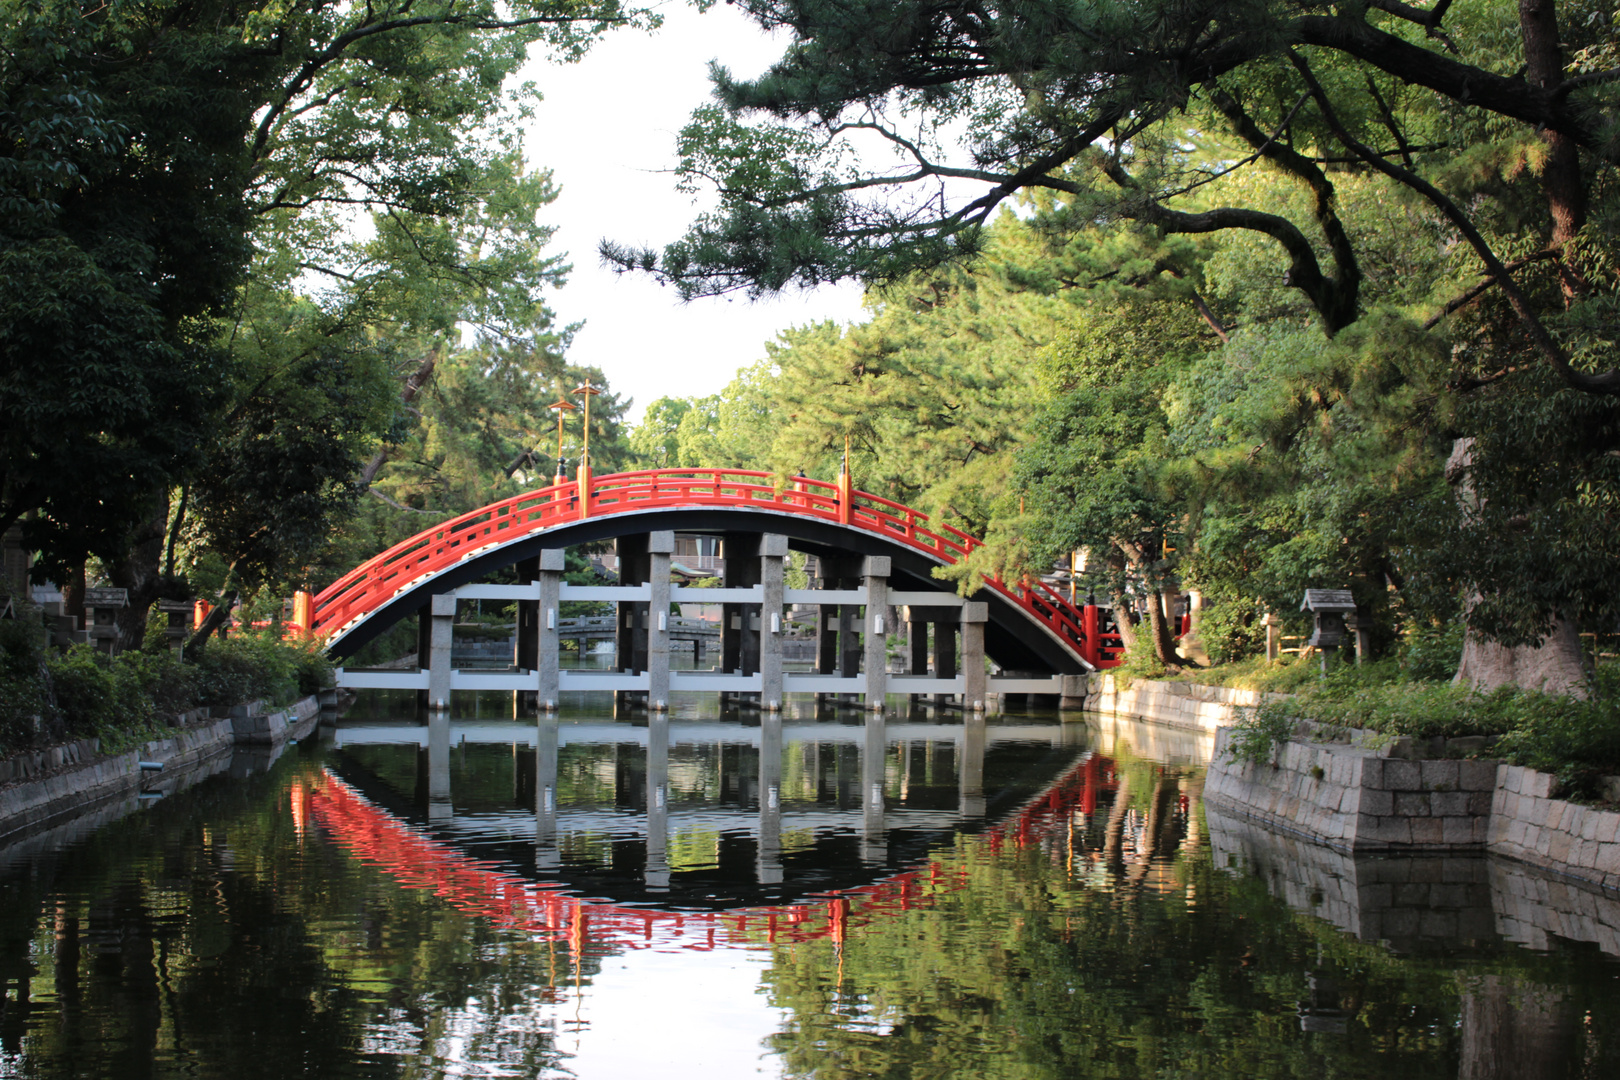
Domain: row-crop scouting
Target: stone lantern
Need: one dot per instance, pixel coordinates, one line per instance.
(1329, 607)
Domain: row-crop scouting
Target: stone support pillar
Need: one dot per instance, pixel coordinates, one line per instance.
(656, 873)
(975, 614)
(768, 861)
(875, 571)
(874, 839)
(773, 550)
(439, 805)
(660, 546)
(546, 855)
(552, 562)
(970, 768)
(442, 612)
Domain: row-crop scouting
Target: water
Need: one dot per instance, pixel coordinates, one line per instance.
(709, 898)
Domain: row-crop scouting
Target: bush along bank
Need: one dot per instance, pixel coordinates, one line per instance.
(50, 698)
(1576, 741)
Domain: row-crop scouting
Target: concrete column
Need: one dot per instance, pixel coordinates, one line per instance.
(442, 610)
(656, 873)
(974, 615)
(874, 839)
(1074, 692)
(773, 549)
(768, 862)
(876, 572)
(439, 805)
(970, 767)
(546, 854)
(552, 562)
(660, 546)
(1273, 625)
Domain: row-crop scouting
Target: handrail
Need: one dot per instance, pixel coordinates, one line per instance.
(379, 579)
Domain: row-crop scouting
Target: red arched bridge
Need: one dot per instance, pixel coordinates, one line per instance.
(1031, 626)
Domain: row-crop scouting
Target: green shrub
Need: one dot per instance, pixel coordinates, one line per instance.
(1431, 652)
(247, 667)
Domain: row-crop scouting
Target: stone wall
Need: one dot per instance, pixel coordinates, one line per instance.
(1527, 824)
(1179, 704)
(1419, 902)
(85, 782)
(1356, 797)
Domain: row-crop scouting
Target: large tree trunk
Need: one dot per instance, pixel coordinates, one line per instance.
(1561, 173)
(1164, 642)
(1556, 666)
(141, 572)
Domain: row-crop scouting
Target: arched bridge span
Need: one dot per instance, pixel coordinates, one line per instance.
(1030, 626)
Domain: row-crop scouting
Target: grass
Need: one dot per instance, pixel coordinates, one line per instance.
(1576, 740)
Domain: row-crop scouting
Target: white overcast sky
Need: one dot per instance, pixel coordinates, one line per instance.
(606, 130)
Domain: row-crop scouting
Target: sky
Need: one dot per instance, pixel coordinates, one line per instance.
(606, 130)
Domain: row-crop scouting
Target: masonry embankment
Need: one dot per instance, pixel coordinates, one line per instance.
(1178, 704)
(50, 787)
(1361, 796)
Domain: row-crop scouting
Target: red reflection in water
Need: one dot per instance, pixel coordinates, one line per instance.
(479, 887)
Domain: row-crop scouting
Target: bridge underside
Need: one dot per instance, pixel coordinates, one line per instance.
(1012, 638)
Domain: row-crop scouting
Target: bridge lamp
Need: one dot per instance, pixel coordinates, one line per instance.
(587, 391)
(561, 408)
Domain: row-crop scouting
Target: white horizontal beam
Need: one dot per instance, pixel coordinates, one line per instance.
(382, 680)
(498, 592)
(752, 594)
(1004, 684)
(704, 681)
(605, 592)
(575, 680)
(824, 596)
(502, 680)
(925, 599)
(926, 684)
(800, 683)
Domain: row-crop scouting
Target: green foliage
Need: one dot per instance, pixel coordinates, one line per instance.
(1431, 652)
(252, 666)
(1259, 734)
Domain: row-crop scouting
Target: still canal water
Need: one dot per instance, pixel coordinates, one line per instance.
(715, 897)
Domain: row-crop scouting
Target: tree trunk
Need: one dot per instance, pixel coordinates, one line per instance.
(218, 617)
(1561, 173)
(417, 380)
(1164, 644)
(1122, 620)
(1556, 666)
(141, 572)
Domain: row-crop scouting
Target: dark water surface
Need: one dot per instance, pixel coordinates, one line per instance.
(717, 897)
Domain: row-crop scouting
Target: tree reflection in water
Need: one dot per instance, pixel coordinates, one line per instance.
(294, 924)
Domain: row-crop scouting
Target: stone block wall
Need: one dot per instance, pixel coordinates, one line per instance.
(87, 780)
(1356, 798)
(1178, 704)
(1528, 824)
(1410, 902)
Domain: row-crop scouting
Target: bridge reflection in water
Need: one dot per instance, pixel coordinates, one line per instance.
(677, 834)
